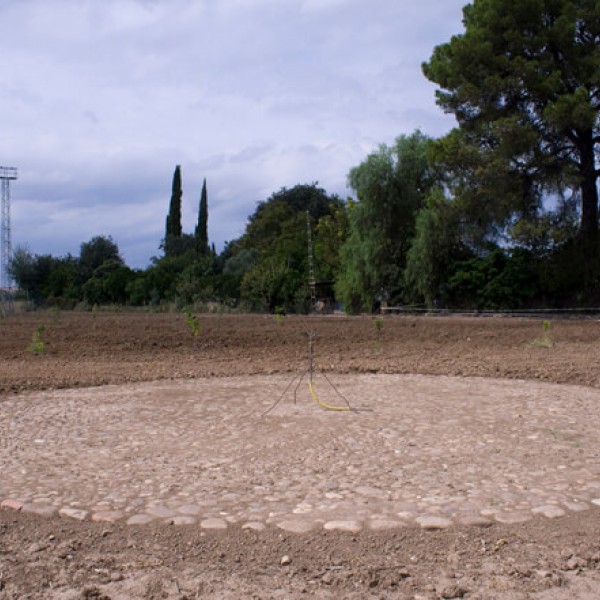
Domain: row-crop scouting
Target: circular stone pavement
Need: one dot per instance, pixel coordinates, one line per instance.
(428, 452)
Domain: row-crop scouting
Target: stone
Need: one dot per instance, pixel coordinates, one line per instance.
(474, 521)
(73, 513)
(577, 506)
(510, 518)
(189, 509)
(213, 523)
(296, 526)
(160, 511)
(450, 589)
(12, 504)
(575, 563)
(430, 522)
(351, 526)
(182, 520)
(550, 511)
(141, 519)
(255, 525)
(35, 547)
(43, 511)
(373, 492)
(384, 524)
(107, 516)
(285, 560)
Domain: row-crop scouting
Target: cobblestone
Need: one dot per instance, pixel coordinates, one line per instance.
(429, 451)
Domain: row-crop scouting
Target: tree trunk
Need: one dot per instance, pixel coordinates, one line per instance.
(589, 210)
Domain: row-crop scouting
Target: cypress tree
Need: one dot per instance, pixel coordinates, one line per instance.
(202, 246)
(173, 228)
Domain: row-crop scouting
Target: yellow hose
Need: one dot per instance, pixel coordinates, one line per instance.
(322, 404)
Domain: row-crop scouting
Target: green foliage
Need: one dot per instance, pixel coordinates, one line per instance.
(499, 280)
(279, 316)
(193, 324)
(523, 82)
(330, 234)
(545, 341)
(271, 256)
(37, 345)
(98, 251)
(434, 248)
(181, 245)
(239, 264)
(173, 225)
(108, 283)
(378, 323)
(201, 234)
(391, 185)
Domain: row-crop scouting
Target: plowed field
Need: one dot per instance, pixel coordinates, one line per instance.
(125, 367)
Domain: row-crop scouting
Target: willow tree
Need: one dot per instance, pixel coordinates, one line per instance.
(391, 185)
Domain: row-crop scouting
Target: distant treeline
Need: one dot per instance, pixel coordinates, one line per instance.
(502, 212)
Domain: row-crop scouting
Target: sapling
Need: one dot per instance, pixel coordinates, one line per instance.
(193, 324)
(546, 340)
(279, 315)
(378, 326)
(37, 345)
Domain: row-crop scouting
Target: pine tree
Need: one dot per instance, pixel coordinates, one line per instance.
(202, 246)
(173, 228)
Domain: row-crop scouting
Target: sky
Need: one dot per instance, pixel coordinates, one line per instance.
(101, 99)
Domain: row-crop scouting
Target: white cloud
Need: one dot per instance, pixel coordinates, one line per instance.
(102, 99)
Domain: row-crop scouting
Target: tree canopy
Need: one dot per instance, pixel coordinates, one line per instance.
(173, 226)
(502, 212)
(524, 84)
(391, 184)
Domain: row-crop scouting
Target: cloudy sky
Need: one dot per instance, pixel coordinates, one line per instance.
(100, 99)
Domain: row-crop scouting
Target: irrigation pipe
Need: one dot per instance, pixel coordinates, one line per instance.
(323, 404)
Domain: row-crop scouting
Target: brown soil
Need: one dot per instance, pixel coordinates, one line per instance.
(61, 559)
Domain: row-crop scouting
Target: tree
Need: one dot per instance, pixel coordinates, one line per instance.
(96, 252)
(109, 283)
(202, 246)
(434, 248)
(44, 278)
(391, 184)
(275, 247)
(524, 84)
(330, 233)
(173, 227)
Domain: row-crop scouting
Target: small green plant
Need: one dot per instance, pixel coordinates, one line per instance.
(546, 340)
(378, 326)
(37, 345)
(193, 325)
(279, 315)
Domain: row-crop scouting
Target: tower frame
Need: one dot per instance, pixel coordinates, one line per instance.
(7, 174)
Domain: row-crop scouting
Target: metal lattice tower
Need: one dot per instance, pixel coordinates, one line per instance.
(6, 175)
(312, 284)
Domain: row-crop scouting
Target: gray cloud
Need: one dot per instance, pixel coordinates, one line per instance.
(102, 99)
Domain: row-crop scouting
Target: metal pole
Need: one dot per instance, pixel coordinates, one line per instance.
(311, 343)
(311, 267)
